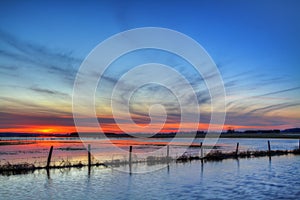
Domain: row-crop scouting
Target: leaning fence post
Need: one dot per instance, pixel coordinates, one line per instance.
(201, 150)
(269, 148)
(168, 152)
(130, 152)
(89, 156)
(237, 149)
(49, 157)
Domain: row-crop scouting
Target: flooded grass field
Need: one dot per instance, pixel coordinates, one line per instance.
(73, 150)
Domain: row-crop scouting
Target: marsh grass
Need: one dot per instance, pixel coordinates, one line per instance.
(219, 155)
(23, 168)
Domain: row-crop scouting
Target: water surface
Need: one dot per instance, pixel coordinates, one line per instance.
(255, 178)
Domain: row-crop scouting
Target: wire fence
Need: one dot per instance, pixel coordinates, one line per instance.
(79, 156)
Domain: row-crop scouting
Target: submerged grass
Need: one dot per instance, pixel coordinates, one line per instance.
(219, 155)
(24, 168)
(13, 169)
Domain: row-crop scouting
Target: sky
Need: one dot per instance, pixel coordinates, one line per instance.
(255, 45)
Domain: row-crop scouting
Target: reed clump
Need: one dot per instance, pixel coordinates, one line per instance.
(21, 168)
(219, 155)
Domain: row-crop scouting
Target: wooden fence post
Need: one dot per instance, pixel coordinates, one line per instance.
(49, 157)
(130, 160)
(130, 152)
(237, 149)
(201, 150)
(168, 152)
(89, 156)
(269, 148)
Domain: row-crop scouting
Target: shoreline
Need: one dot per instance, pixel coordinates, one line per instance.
(169, 135)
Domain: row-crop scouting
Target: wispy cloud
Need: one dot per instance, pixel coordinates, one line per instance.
(47, 91)
(11, 120)
(271, 108)
(37, 57)
(18, 105)
(259, 121)
(280, 91)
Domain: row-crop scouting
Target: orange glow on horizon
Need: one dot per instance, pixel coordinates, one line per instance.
(41, 129)
(168, 127)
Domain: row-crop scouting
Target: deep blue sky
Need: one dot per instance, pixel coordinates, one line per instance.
(255, 44)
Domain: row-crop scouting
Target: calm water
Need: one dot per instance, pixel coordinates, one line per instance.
(255, 178)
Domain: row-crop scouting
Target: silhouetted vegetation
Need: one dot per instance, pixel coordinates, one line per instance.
(218, 155)
(231, 132)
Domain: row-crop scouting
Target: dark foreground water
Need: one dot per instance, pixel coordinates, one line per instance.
(255, 178)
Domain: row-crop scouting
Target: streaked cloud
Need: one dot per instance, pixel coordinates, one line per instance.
(258, 60)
